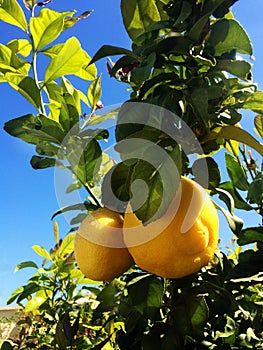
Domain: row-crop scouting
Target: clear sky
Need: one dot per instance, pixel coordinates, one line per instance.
(28, 196)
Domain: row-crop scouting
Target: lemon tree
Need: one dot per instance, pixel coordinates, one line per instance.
(190, 77)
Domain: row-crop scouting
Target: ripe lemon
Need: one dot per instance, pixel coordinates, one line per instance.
(185, 244)
(99, 248)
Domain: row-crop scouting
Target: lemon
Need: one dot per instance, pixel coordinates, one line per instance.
(99, 248)
(176, 246)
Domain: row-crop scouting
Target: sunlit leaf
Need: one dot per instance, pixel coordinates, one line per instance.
(255, 102)
(14, 295)
(26, 86)
(20, 46)
(25, 264)
(70, 59)
(227, 35)
(67, 245)
(34, 303)
(69, 22)
(12, 13)
(138, 15)
(94, 92)
(28, 290)
(10, 62)
(47, 26)
(234, 133)
(41, 251)
(56, 231)
(258, 121)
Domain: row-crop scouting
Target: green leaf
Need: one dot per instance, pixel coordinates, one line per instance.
(190, 313)
(258, 121)
(84, 156)
(233, 133)
(67, 245)
(249, 264)
(77, 96)
(236, 172)
(97, 119)
(226, 197)
(69, 22)
(47, 149)
(255, 102)
(10, 62)
(12, 13)
(26, 86)
(158, 181)
(20, 46)
(79, 206)
(197, 30)
(109, 50)
(255, 190)
(28, 290)
(94, 92)
(107, 298)
(102, 344)
(76, 185)
(42, 252)
(47, 26)
(138, 15)
(145, 294)
(239, 201)
(42, 162)
(240, 69)
(77, 219)
(29, 4)
(250, 235)
(14, 295)
(25, 264)
(61, 339)
(199, 102)
(227, 35)
(19, 127)
(199, 170)
(6, 346)
(70, 59)
(235, 223)
(34, 303)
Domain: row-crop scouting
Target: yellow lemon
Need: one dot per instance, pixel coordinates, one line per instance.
(99, 249)
(180, 242)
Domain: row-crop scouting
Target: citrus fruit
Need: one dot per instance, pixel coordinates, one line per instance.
(185, 244)
(95, 242)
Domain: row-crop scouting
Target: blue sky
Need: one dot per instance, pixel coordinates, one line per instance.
(28, 196)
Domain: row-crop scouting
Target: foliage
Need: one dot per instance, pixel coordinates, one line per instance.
(189, 57)
(57, 307)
